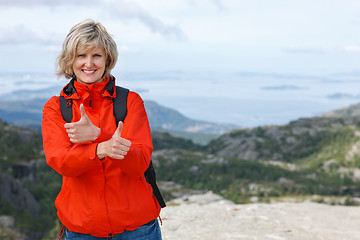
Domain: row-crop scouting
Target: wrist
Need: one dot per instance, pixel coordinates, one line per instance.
(97, 132)
(100, 150)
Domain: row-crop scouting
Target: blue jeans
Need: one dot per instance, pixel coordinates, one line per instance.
(149, 231)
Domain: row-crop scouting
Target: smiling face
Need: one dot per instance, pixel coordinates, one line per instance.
(89, 65)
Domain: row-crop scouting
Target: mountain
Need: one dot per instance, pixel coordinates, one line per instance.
(287, 143)
(29, 186)
(317, 159)
(22, 111)
(317, 156)
(291, 142)
(346, 112)
(168, 119)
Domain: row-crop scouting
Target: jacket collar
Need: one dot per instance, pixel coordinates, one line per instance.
(69, 91)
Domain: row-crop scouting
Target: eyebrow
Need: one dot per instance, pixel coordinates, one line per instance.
(85, 52)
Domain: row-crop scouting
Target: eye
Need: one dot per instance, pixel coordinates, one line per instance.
(97, 55)
(81, 55)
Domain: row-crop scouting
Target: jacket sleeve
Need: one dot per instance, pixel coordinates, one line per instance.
(137, 130)
(66, 158)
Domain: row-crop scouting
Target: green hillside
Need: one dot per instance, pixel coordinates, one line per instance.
(315, 158)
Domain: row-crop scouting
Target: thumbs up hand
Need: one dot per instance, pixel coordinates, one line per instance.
(117, 147)
(83, 130)
(119, 129)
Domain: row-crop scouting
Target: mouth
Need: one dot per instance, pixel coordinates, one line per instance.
(88, 71)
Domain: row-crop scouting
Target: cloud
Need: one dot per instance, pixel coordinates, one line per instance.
(352, 48)
(218, 5)
(17, 34)
(127, 10)
(283, 87)
(126, 49)
(318, 50)
(20, 35)
(304, 50)
(43, 2)
(120, 9)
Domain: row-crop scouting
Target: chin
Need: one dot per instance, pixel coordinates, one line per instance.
(88, 80)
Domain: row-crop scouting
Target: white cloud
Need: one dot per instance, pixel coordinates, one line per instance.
(127, 49)
(304, 49)
(44, 2)
(217, 3)
(211, 32)
(352, 48)
(19, 34)
(132, 11)
(123, 10)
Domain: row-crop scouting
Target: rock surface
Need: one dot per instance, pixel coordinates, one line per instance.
(20, 197)
(7, 229)
(208, 216)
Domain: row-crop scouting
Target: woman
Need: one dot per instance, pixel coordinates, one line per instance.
(104, 192)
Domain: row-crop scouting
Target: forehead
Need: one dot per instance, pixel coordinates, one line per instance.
(91, 49)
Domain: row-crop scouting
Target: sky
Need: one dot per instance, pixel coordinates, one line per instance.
(282, 36)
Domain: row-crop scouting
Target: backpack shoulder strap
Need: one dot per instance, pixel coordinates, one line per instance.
(66, 109)
(120, 104)
(120, 112)
(66, 104)
(150, 176)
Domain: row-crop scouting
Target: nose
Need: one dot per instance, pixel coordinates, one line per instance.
(89, 62)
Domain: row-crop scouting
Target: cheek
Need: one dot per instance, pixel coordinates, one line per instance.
(102, 63)
(75, 65)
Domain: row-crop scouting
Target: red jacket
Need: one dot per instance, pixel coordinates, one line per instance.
(100, 197)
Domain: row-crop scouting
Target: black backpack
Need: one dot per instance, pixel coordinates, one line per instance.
(120, 111)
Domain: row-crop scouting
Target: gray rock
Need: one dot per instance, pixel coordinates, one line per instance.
(20, 197)
(209, 217)
(7, 221)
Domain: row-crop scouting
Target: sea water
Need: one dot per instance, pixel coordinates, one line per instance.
(246, 99)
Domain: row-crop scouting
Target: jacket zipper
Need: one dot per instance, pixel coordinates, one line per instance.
(107, 211)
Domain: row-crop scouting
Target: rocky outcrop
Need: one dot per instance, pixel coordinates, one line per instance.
(8, 230)
(27, 170)
(18, 196)
(210, 217)
(296, 140)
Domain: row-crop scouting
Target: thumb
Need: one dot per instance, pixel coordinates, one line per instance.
(83, 112)
(119, 128)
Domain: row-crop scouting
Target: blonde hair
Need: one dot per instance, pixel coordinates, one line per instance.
(82, 37)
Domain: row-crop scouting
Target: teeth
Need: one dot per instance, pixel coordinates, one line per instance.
(85, 71)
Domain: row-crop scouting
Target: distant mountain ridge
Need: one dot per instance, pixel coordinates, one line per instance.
(345, 112)
(296, 140)
(169, 119)
(27, 112)
(316, 158)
